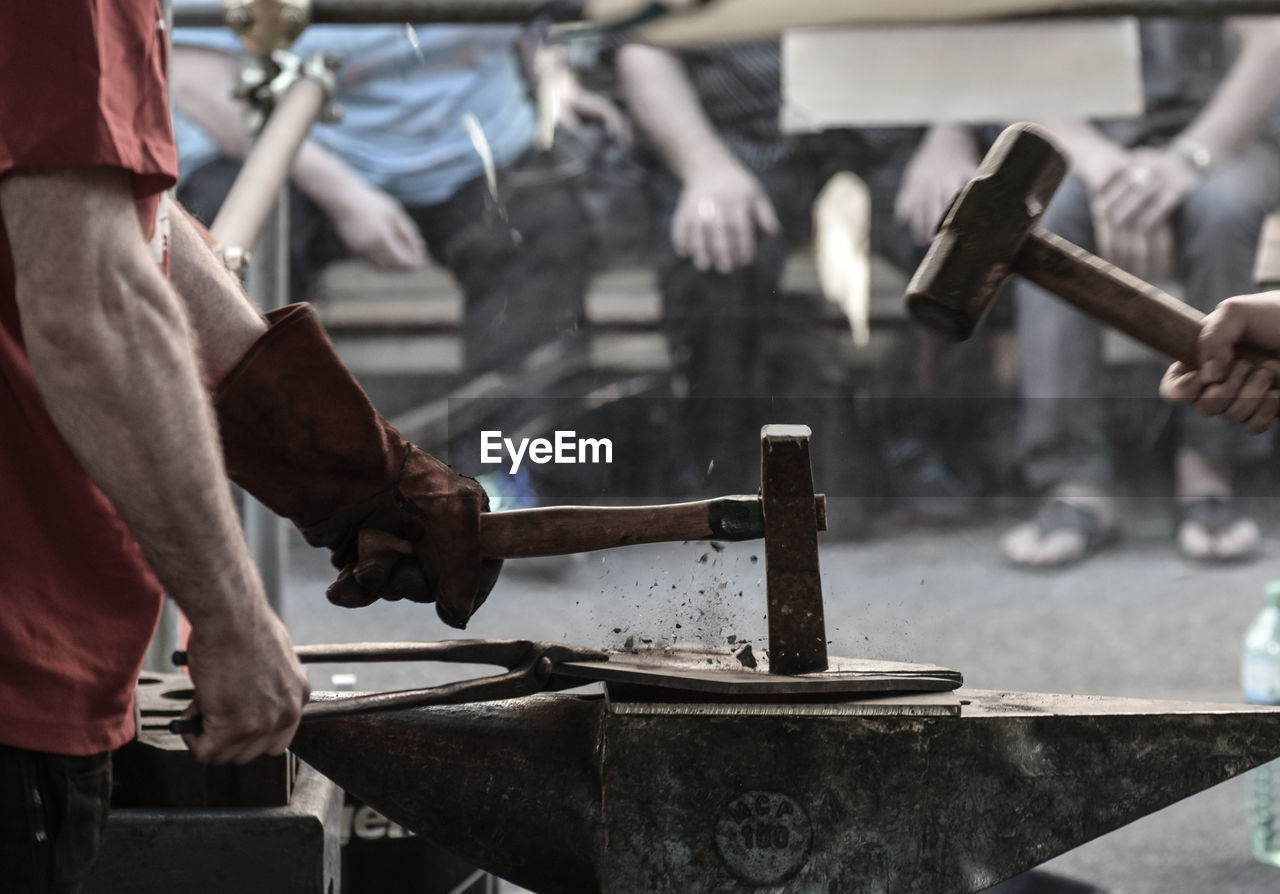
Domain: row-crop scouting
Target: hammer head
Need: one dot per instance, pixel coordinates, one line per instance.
(797, 620)
(979, 237)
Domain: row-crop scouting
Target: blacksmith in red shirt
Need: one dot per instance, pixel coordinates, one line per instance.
(115, 383)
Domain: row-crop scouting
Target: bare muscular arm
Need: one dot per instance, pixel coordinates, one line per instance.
(113, 355)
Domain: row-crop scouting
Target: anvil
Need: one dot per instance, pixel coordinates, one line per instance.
(702, 770)
(936, 794)
(695, 773)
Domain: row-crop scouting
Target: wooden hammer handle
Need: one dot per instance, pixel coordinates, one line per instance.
(561, 530)
(1121, 300)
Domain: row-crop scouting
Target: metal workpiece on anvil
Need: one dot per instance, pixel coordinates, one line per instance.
(562, 793)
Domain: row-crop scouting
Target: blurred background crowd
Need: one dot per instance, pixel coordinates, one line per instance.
(625, 241)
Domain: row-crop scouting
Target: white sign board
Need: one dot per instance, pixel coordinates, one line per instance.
(974, 73)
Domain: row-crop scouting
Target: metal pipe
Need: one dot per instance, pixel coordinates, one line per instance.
(255, 215)
(212, 13)
(268, 284)
(479, 11)
(200, 14)
(266, 169)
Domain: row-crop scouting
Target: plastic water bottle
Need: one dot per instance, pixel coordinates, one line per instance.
(1260, 676)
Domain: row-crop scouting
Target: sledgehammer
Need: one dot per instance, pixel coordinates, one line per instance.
(991, 231)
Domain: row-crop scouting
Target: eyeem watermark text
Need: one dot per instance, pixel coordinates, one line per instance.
(566, 448)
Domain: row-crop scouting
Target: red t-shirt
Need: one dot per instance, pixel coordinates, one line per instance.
(82, 84)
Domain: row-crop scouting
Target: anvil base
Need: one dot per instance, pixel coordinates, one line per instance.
(249, 850)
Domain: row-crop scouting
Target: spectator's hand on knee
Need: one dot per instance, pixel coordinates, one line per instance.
(715, 221)
(942, 164)
(1224, 385)
(1109, 171)
(1147, 188)
(1132, 209)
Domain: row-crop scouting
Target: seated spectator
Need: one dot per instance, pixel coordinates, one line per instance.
(402, 177)
(737, 193)
(1180, 191)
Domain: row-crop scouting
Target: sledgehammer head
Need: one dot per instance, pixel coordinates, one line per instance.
(979, 237)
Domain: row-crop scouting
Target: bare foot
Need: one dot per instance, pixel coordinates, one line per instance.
(1074, 522)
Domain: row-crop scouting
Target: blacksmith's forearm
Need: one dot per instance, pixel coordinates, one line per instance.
(111, 351)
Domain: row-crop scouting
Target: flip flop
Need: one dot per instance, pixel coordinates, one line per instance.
(1060, 515)
(1216, 515)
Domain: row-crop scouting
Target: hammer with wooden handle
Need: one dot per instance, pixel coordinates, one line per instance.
(557, 530)
(990, 232)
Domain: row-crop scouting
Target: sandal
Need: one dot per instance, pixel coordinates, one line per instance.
(1216, 515)
(1060, 515)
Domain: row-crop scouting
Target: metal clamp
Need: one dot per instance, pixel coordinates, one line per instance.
(264, 79)
(268, 25)
(531, 668)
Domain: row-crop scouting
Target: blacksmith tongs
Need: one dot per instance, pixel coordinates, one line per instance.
(531, 668)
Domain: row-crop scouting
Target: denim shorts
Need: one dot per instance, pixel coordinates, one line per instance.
(53, 812)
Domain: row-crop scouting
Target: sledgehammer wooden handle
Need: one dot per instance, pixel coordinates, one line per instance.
(1120, 299)
(560, 530)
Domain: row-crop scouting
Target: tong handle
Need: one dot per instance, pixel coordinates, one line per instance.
(530, 667)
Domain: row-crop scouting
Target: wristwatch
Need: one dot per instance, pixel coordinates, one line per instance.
(1196, 153)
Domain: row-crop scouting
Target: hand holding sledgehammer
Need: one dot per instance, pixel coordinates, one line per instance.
(991, 231)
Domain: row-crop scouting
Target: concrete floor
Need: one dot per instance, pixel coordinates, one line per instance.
(1135, 621)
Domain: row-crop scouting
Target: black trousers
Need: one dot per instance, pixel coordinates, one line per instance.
(53, 811)
(718, 324)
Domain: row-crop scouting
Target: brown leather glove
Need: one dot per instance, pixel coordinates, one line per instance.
(300, 434)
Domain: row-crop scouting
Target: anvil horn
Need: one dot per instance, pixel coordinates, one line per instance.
(567, 794)
(509, 786)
